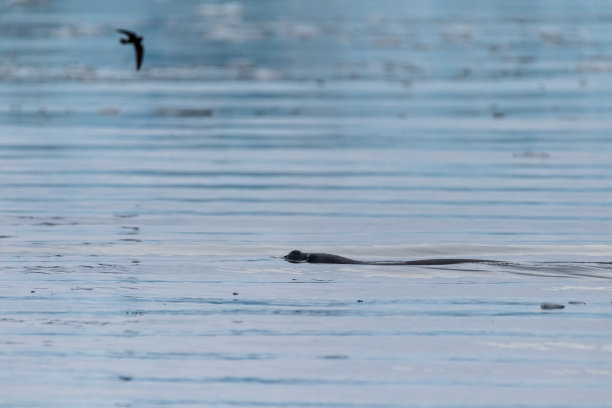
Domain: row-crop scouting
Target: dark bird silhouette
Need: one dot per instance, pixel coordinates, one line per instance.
(137, 41)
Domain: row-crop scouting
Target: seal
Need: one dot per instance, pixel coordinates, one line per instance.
(296, 256)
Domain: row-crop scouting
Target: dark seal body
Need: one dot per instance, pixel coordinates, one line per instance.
(299, 256)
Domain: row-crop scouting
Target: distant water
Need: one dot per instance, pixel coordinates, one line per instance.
(142, 214)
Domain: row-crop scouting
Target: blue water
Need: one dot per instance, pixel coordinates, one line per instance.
(133, 205)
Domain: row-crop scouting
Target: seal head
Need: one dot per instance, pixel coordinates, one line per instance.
(296, 256)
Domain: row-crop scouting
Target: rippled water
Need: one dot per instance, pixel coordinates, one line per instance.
(143, 214)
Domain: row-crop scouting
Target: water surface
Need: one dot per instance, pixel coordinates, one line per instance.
(142, 214)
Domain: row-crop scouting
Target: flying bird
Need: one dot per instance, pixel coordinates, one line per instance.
(137, 41)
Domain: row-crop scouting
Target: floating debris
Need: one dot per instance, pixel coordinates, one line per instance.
(109, 112)
(531, 155)
(188, 112)
(336, 357)
(551, 306)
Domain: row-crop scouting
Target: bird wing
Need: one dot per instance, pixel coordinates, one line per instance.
(139, 53)
(130, 34)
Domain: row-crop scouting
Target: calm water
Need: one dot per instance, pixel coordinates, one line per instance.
(142, 214)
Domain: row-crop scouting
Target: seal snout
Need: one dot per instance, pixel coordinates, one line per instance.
(296, 256)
